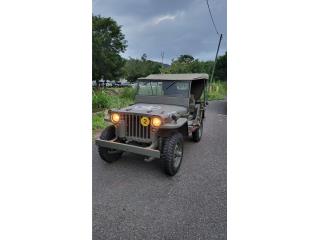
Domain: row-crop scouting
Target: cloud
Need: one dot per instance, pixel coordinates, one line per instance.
(163, 18)
(173, 26)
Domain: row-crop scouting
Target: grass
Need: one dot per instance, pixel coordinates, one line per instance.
(106, 99)
(98, 121)
(217, 91)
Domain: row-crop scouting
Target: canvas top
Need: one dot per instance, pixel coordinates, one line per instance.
(177, 76)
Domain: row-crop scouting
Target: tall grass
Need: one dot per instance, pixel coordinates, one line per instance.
(217, 91)
(102, 99)
(128, 93)
(106, 99)
(98, 121)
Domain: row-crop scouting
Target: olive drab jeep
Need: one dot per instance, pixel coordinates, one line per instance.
(167, 108)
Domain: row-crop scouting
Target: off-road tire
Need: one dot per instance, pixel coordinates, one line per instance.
(197, 134)
(107, 154)
(168, 153)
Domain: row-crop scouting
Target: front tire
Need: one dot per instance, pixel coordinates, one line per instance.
(107, 154)
(172, 153)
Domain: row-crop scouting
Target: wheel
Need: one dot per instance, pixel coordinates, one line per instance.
(172, 153)
(197, 134)
(107, 154)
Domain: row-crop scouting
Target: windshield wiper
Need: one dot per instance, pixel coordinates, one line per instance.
(170, 85)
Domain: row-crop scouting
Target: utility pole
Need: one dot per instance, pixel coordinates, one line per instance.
(215, 60)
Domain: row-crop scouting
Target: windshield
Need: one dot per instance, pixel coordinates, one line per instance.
(164, 88)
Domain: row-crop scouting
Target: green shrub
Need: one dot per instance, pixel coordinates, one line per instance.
(128, 93)
(98, 121)
(106, 100)
(101, 100)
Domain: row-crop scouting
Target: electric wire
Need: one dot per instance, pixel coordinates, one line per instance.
(215, 27)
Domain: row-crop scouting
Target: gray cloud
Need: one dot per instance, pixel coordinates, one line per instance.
(173, 26)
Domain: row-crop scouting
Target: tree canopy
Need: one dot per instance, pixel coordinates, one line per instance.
(220, 72)
(107, 43)
(187, 64)
(135, 68)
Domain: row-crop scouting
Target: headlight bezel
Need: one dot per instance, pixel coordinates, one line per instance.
(156, 121)
(115, 117)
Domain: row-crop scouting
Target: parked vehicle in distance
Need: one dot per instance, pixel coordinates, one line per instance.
(168, 107)
(117, 84)
(113, 84)
(125, 84)
(101, 83)
(108, 83)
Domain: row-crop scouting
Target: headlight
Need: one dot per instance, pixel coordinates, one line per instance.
(156, 122)
(115, 117)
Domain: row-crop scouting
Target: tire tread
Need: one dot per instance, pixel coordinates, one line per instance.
(167, 153)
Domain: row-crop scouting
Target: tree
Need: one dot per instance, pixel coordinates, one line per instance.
(107, 43)
(220, 72)
(188, 64)
(185, 58)
(135, 68)
(144, 57)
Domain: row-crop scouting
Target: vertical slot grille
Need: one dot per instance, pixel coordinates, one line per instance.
(134, 129)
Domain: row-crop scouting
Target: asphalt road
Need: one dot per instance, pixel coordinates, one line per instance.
(133, 199)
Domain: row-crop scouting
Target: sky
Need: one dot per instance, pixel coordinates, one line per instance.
(173, 26)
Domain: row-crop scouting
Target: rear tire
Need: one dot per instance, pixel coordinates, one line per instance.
(107, 154)
(197, 134)
(172, 153)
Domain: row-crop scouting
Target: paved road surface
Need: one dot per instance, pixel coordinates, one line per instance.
(133, 199)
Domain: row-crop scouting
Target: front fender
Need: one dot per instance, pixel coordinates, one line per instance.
(180, 126)
(173, 125)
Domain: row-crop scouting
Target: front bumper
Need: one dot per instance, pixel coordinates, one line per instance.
(146, 151)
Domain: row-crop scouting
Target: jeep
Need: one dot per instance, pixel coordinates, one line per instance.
(167, 108)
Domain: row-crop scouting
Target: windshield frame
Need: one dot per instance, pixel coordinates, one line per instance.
(173, 82)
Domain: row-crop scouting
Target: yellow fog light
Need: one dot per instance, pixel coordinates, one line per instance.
(115, 117)
(156, 122)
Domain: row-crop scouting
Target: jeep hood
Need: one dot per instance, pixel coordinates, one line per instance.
(154, 109)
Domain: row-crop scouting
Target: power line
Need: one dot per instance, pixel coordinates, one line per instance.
(215, 60)
(215, 27)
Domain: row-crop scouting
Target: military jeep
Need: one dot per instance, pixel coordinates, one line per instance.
(167, 108)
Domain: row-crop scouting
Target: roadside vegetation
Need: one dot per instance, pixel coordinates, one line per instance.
(111, 98)
(104, 99)
(98, 121)
(217, 91)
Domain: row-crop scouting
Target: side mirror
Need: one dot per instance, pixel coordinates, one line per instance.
(207, 103)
